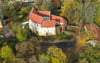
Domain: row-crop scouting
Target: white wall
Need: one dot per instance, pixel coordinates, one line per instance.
(25, 0)
(42, 31)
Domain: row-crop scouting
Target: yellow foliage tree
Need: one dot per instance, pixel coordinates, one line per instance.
(56, 53)
(98, 22)
(53, 55)
(83, 37)
(70, 11)
(13, 59)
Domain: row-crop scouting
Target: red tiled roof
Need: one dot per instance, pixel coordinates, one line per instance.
(58, 18)
(87, 26)
(35, 18)
(57, 2)
(49, 23)
(94, 28)
(44, 13)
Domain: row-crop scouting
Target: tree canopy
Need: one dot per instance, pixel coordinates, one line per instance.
(6, 51)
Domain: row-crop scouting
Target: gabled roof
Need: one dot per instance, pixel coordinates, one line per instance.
(35, 17)
(58, 18)
(50, 23)
(94, 28)
(44, 13)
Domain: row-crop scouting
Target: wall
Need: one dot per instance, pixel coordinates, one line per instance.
(42, 31)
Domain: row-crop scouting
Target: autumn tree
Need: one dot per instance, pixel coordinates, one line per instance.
(70, 11)
(43, 4)
(13, 59)
(28, 50)
(53, 55)
(6, 51)
(98, 14)
(90, 54)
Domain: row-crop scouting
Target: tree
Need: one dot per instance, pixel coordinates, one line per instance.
(25, 11)
(43, 5)
(70, 11)
(21, 33)
(83, 37)
(90, 54)
(29, 50)
(98, 22)
(46, 5)
(13, 59)
(97, 10)
(88, 13)
(55, 54)
(6, 51)
(38, 4)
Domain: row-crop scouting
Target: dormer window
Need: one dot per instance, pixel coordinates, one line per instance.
(45, 18)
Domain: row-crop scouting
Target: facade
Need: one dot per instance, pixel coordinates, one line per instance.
(1, 25)
(25, 0)
(43, 23)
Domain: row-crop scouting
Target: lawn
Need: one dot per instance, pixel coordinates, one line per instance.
(60, 36)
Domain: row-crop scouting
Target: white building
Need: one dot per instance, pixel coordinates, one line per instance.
(43, 23)
(25, 0)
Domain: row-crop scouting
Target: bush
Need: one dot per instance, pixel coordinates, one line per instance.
(21, 33)
(53, 55)
(6, 51)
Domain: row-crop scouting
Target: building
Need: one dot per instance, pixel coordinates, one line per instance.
(8, 33)
(25, 0)
(1, 25)
(44, 23)
(92, 27)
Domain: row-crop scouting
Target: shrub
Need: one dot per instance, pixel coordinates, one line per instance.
(6, 51)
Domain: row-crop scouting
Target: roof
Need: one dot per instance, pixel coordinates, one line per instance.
(58, 18)
(36, 16)
(44, 13)
(57, 2)
(94, 28)
(87, 26)
(49, 23)
(8, 33)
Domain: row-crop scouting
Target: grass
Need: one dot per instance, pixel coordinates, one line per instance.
(71, 31)
(60, 36)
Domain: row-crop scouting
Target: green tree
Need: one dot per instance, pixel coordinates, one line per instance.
(98, 11)
(43, 4)
(21, 33)
(53, 55)
(6, 51)
(13, 59)
(46, 5)
(90, 54)
(70, 11)
(25, 11)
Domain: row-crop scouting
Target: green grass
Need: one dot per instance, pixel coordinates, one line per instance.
(71, 31)
(60, 36)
